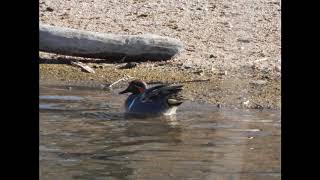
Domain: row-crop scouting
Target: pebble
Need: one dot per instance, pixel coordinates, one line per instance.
(187, 66)
(142, 15)
(244, 40)
(213, 69)
(224, 73)
(246, 102)
(230, 25)
(129, 65)
(257, 106)
(259, 82)
(262, 59)
(200, 72)
(49, 9)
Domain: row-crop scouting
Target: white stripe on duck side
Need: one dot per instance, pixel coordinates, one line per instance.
(131, 104)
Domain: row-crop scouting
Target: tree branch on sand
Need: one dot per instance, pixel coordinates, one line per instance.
(115, 47)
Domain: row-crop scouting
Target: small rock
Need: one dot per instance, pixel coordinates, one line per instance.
(246, 103)
(187, 66)
(244, 40)
(262, 59)
(129, 65)
(278, 68)
(230, 25)
(266, 76)
(212, 56)
(64, 14)
(222, 73)
(259, 82)
(255, 66)
(213, 69)
(212, 7)
(225, 73)
(173, 26)
(276, 3)
(161, 64)
(142, 15)
(262, 54)
(257, 106)
(49, 9)
(191, 49)
(200, 72)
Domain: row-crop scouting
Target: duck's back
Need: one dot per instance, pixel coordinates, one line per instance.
(155, 100)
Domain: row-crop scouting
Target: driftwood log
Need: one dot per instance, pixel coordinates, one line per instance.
(115, 47)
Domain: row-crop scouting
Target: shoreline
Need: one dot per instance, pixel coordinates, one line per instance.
(224, 89)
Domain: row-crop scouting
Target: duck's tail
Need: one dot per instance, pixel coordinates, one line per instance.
(174, 96)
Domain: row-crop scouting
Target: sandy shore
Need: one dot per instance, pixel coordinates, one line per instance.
(235, 45)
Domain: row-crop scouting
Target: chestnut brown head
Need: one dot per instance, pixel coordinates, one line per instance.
(135, 87)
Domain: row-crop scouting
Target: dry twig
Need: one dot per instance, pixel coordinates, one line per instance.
(82, 66)
(127, 77)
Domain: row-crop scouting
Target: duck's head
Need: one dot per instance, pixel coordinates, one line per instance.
(135, 87)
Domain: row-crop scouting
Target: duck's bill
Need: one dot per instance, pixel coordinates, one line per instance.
(124, 91)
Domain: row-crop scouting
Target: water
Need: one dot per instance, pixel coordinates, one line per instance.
(85, 135)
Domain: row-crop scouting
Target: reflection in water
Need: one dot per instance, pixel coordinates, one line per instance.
(90, 138)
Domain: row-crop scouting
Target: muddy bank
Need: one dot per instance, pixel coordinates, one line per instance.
(226, 89)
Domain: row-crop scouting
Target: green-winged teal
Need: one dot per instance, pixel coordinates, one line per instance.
(160, 99)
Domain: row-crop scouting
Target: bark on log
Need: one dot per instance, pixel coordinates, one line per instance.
(73, 42)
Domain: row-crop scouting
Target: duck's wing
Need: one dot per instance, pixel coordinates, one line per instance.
(154, 88)
(166, 92)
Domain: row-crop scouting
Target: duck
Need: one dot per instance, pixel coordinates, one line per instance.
(161, 99)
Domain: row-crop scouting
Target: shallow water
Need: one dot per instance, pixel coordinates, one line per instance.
(85, 135)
